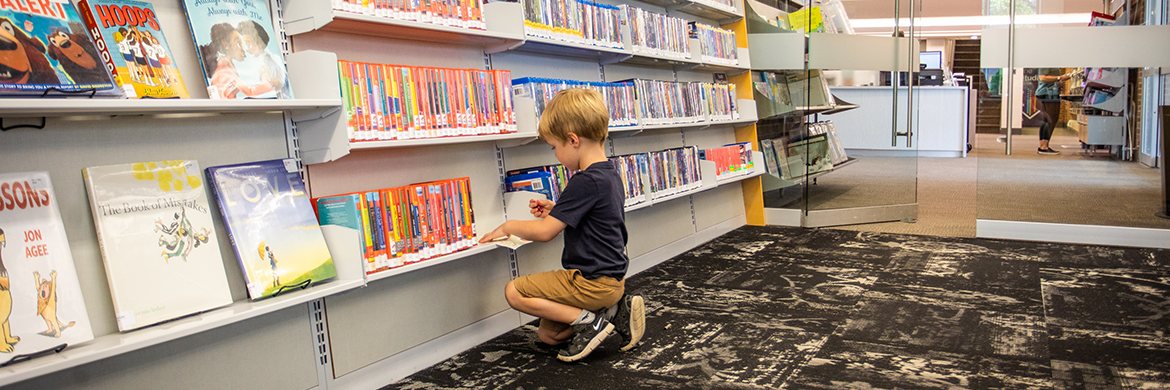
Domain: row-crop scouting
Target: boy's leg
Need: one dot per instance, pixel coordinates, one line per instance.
(540, 307)
(567, 298)
(554, 333)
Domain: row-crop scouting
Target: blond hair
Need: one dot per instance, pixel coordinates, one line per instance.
(578, 111)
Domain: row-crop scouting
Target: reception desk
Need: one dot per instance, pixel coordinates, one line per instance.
(941, 121)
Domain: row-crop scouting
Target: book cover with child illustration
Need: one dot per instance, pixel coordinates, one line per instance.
(238, 49)
(272, 225)
(130, 38)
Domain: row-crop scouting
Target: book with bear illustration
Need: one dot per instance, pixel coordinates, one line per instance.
(272, 225)
(45, 50)
(238, 49)
(129, 37)
(40, 298)
(157, 239)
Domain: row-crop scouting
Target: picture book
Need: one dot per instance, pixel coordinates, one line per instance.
(40, 299)
(238, 49)
(129, 37)
(44, 47)
(158, 240)
(272, 226)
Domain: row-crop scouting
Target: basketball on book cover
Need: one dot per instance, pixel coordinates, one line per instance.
(129, 35)
(272, 225)
(238, 49)
(44, 46)
(41, 306)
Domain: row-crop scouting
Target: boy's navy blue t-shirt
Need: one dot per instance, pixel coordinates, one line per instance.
(592, 205)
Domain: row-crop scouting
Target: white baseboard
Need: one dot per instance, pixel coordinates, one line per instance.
(405, 363)
(1075, 234)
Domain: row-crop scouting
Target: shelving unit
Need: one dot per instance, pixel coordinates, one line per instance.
(1103, 123)
(303, 16)
(296, 327)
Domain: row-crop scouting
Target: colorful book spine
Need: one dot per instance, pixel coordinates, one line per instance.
(574, 21)
(451, 13)
(655, 34)
(716, 45)
(390, 102)
(403, 225)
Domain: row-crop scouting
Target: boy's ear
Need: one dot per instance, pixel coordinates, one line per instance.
(573, 139)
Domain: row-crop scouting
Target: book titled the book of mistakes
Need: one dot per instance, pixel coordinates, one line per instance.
(272, 226)
(158, 240)
(40, 298)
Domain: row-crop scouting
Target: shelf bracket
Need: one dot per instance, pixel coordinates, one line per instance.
(506, 46)
(6, 128)
(34, 355)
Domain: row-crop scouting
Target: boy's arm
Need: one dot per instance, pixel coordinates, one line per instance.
(541, 231)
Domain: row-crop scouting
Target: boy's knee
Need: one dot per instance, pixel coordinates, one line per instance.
(511, 294)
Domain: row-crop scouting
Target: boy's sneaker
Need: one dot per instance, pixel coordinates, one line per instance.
(630, 320)
(1046, 151)
(588, 337)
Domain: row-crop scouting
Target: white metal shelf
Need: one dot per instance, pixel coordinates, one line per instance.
(541, 45)
(721, 13)
(303, 16)
(119, 343)
(48, 107)
(441, 140)
(472, 251)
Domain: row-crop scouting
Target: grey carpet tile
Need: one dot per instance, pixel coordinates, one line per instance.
(849, 364)
(774, 307)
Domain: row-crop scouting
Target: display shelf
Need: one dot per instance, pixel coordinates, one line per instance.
(120, 343)
(1115, 103)
(709, 181)
(14, 108)
(443, 140)
(802, 179)
(660, 61)
(323, 136)
(705, 9)
(468, 252)
(504, 26)
(743, 56)
(1108, 78)
(540, 45)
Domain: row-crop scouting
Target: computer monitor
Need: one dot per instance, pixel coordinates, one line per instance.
(932, 59)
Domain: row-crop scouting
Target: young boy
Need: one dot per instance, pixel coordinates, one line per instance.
(587, 298)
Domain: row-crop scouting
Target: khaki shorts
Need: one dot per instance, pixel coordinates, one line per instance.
(568, 287)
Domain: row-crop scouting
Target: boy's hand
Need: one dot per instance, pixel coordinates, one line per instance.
(540, 207)
(494, 234)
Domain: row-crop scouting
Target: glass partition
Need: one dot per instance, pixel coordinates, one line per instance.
(1077, 112)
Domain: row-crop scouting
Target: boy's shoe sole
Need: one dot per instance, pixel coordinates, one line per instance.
(637, 322)
(593, 343)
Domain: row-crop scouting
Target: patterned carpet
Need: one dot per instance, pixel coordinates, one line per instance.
(774, 307)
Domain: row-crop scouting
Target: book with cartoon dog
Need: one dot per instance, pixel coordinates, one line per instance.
(40, 299)
(44, 47)
(130, 39)
(272, 225)
(157, 238)
(238, 49)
